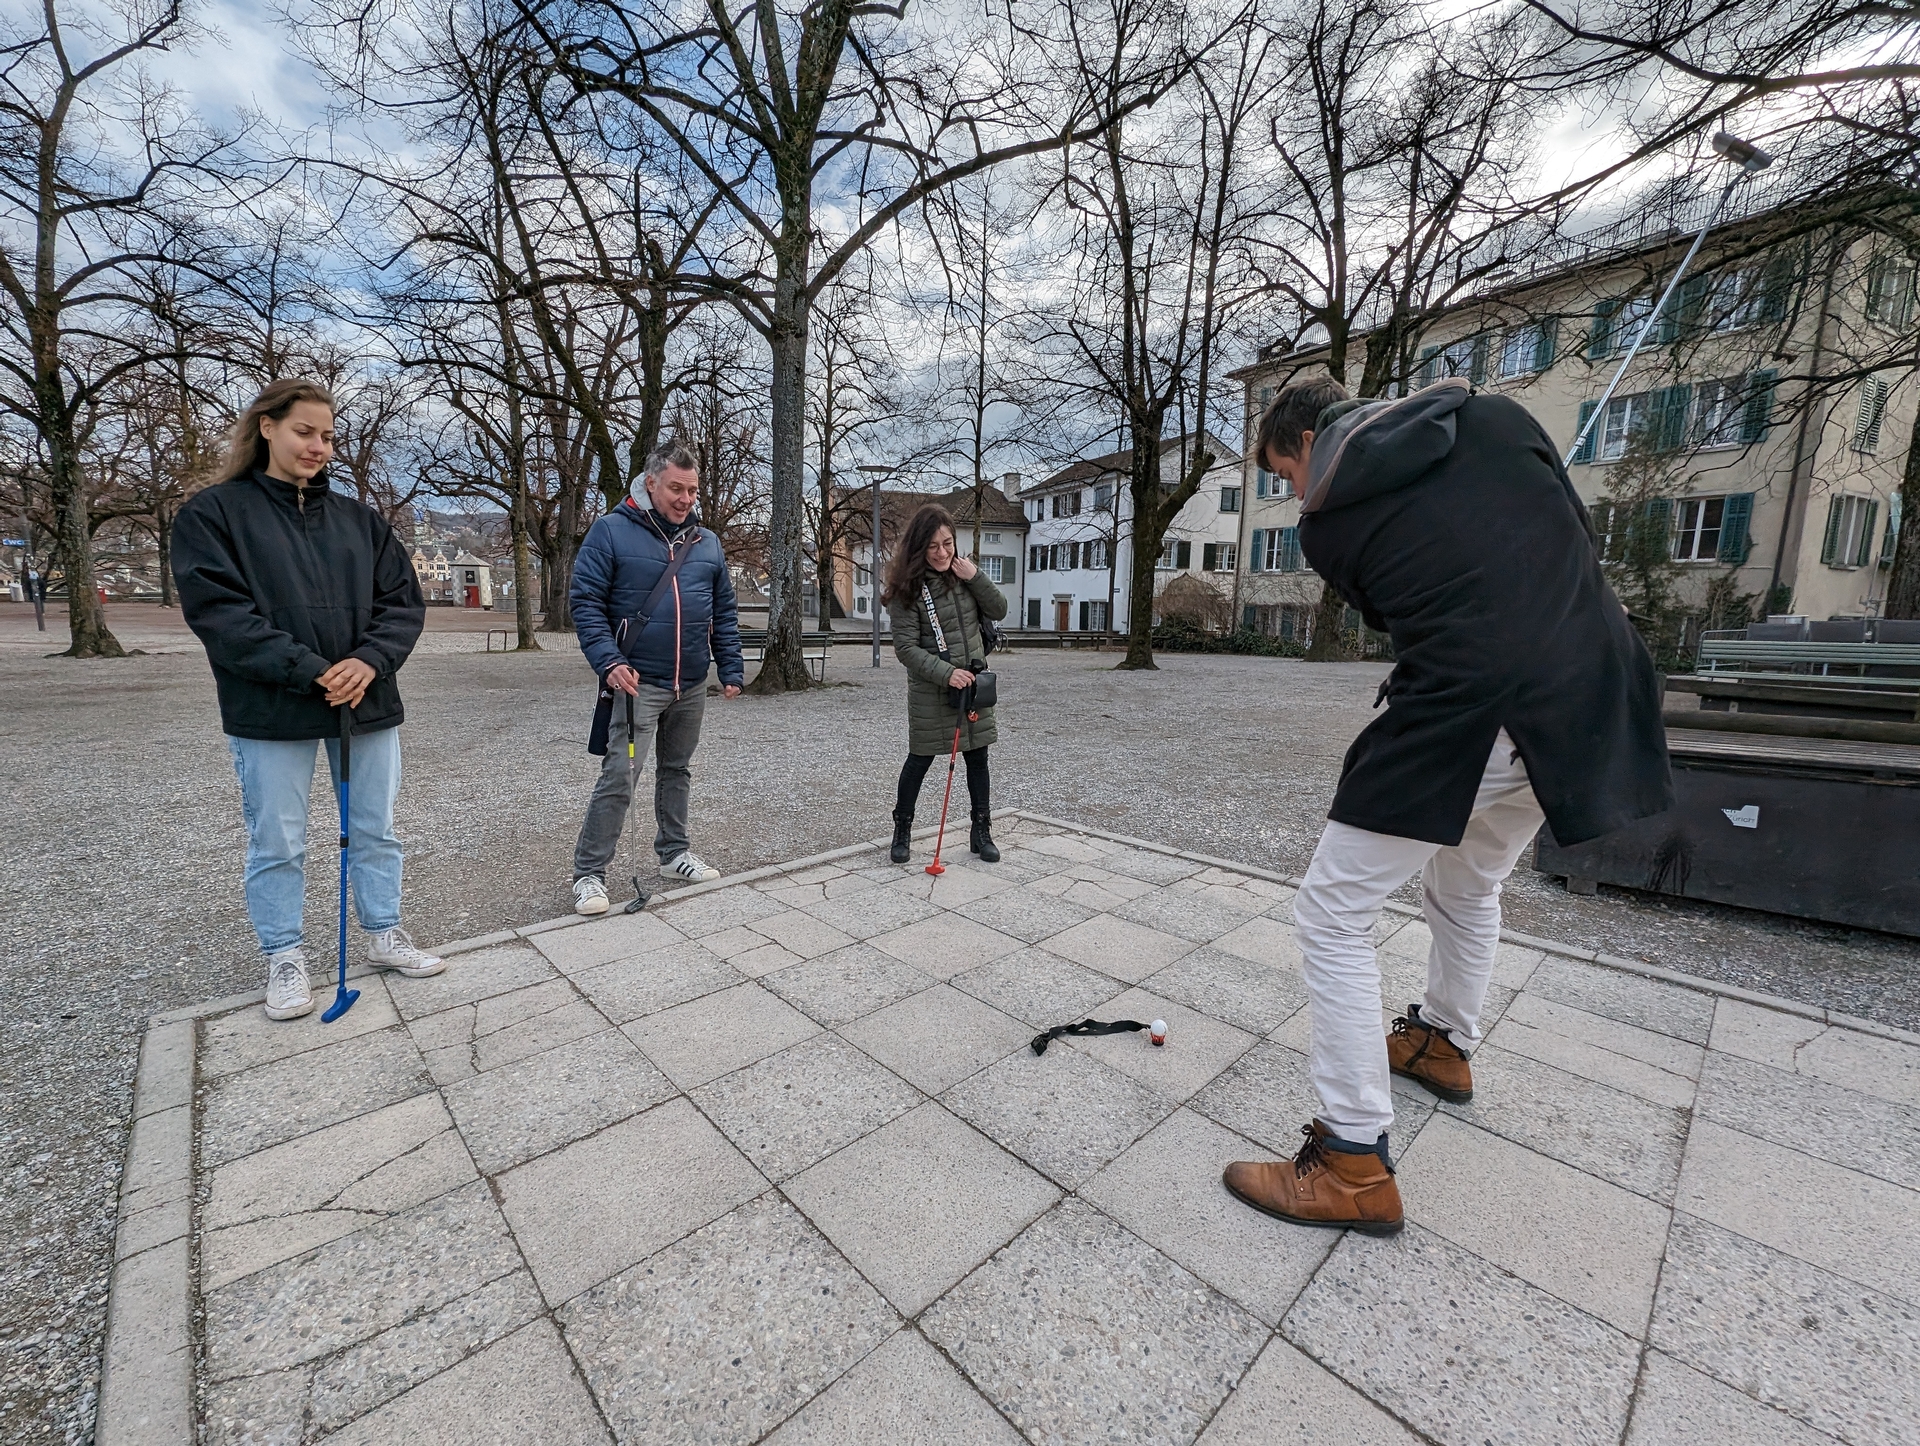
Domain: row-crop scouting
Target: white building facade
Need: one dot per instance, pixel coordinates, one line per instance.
(1079, 553)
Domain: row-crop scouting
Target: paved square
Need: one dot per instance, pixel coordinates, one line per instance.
(774, 1162)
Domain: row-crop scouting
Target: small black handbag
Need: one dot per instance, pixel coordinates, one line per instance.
(984, 690)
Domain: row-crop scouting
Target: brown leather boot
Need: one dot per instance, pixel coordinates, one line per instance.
(1424, 1054)
(1330, 1182)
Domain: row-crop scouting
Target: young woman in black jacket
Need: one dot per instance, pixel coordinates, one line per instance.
(307, 603)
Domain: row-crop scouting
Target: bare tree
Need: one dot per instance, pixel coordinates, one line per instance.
(93, 205)
(1164, 220)
(769, 104)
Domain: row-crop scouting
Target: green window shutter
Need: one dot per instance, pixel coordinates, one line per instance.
(1669, 416)
(1547, 346)
(1084, 616)
(1290, 549)
(1424, 374)
(1776, 287)
(1247, 616)
(1600, 334)
(1658, 518)
(1735, 543)
(1477, 362)
(1864, 554)
(1831, 544)
(1592, 439)
(1185, 559)
(1759, 406)
(1209, 556)
(1689, 309)
(1892, 538)
(1257, 562)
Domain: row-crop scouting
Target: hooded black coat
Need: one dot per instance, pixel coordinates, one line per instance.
(280, 586)
(1446, 518)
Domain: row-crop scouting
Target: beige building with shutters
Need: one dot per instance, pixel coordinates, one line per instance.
(1759, 436)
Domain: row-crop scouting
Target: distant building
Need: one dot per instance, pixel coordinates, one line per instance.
(1080, 549)
(473, 582)
(992, 512)
(1768, 402)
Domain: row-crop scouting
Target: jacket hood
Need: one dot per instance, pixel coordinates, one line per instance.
(1375, 447)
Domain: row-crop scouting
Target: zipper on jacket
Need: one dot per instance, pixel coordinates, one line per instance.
(679, 626)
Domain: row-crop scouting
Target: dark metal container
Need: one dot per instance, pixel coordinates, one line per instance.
(1810, 827)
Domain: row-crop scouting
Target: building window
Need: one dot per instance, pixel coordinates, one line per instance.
(1849, 540)
(1625, 416)
(1696, 534)
(1218, 556)
(1229, 499)
(997, 568)
(1873, 411)
(1276, 549)
(1527, 350)
(1628, 318)
(1610, 530)
(1097, 554)
(1102, 498)
(1890, 291)
(1175, 554)
(860, 603)
(993, 539)
(1464, 358)
(1093, 617)
(1060, 557)
(862, 575)
(1066, 504)
(1736, 298)
(1036, 559)
(1719, 412)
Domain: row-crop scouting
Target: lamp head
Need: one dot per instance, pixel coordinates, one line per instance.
(1743, 154)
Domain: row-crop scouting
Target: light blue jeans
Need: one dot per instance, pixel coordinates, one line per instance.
(275, 778)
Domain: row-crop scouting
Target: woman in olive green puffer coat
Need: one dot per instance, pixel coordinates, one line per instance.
(925, 573)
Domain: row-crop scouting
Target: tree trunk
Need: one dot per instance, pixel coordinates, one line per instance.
(1903, 586)
(1329, 644)
(785, 670)
(522, 569)
(163, 540)
(652, 346)
(73, 540)
(1149, 526)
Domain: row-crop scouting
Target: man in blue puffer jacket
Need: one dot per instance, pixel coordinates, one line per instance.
(653, 608)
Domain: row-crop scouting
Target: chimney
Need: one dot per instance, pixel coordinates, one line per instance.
(1010, 484)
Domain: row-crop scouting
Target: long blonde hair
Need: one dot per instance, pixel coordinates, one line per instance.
(247, 451)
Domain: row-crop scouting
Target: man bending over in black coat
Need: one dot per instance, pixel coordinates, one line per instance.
(1519, 689)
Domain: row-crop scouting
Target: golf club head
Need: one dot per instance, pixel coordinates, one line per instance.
(342, 1002)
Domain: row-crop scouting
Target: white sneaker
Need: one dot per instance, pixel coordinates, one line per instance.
(392, 949)
(689, 868)
(589, 895)
(288, 994)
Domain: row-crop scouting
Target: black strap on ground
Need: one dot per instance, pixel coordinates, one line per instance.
(1085, 1026)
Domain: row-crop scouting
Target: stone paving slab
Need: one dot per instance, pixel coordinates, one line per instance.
(773, 1161)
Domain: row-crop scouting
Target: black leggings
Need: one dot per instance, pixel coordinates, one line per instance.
(914, 772)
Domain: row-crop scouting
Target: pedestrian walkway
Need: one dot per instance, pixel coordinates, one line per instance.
(773, 1161)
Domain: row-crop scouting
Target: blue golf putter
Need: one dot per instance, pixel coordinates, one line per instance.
(343, 1001)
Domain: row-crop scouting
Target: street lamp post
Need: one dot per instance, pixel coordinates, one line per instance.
(879, 472)
(1750, 159)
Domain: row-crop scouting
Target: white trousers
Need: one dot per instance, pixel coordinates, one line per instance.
(1352, 875)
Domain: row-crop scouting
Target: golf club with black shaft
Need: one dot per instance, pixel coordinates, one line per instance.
(343, 1001)
(937, 868)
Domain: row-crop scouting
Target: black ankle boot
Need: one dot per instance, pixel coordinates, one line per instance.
(982, 841)
(902, 828)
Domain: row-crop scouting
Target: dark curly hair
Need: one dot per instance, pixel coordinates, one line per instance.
(908, 567)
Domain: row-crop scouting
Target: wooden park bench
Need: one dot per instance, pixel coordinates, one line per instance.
(1879, 679)
(813, 649)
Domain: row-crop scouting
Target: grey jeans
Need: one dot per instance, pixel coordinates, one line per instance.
(674, 727)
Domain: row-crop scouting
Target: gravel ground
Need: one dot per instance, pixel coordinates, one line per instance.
(121, 847)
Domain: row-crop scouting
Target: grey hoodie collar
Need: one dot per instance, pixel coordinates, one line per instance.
(1380, 446)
